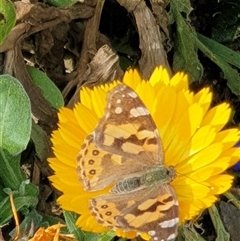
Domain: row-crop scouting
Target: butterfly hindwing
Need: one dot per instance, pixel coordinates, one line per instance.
(153, 211)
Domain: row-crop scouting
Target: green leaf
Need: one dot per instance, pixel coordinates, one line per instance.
(32, 219)
(232, 76)
(20, 202)
(187, 233)
(49, 89)
(185, 56)
(182, 6)
(7, 18)
(15, 116)
(10, 171)
(48, 220)
(36, 220)
(41, 142)
(223, 52)
(28, 189)
(71, 218)
(2, 193)
(221, 232)
(62, 3)
(108, 236)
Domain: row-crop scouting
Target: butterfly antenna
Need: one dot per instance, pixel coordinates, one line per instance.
(211, 187)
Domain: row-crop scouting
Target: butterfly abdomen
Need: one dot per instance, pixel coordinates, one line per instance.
(157, 175)
(129, 185)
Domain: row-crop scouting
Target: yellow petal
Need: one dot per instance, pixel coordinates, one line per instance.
(217, 116)
(132, 78)
(86, 119)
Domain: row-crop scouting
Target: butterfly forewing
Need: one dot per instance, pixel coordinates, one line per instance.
(127, 128)
(93, 163)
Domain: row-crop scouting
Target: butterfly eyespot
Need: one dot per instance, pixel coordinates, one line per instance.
(104, 206)
(108, 213)
(92, 172)
(95, 152)
(91, 162)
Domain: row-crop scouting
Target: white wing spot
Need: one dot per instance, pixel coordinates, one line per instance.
(118, 110)
(152, 232)
(115, 91)
(171, 237)
(155, 238)
(118, 101)
(123, 95)
(169, 223)
(132, 94)
(139, 111)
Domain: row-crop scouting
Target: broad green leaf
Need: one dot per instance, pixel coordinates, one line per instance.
(185, 55)
(15, 116)
(2, 193)
(232, 75)
(7, 18)
(223, 52)
(10, 171)
(220, 230)
(49, 89)
(62, 3)
(28, 189)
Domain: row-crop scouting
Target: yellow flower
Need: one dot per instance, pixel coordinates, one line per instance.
(51, 233)
(192, 133)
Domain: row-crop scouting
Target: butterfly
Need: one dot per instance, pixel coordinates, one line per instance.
(125, 153)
